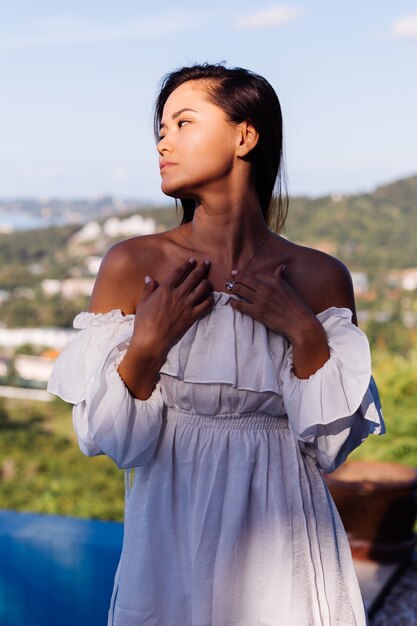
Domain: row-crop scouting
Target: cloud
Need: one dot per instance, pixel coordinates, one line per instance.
(405, 27)
(67, 30)
(266, 18)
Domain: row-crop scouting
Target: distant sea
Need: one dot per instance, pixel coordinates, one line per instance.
(10, 222)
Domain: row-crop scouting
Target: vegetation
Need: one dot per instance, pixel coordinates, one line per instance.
(42, 251)
(23, 312)
(43, 470)
(397, 381)
(51, 253)
(370, 232)
(41, 467)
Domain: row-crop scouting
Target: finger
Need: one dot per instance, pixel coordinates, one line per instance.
(180, 272)
(150, 286)
(244, 292)
(242, 307)
(201, 291)
(195, 277)
(204, 307)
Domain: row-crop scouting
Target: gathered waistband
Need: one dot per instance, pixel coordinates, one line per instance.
(228, 421)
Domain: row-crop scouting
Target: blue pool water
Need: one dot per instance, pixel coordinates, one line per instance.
(56, 571)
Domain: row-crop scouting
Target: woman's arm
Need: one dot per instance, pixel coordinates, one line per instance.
(164, 312)
(287, 303)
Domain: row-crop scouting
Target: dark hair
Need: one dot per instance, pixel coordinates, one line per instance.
(243, 96)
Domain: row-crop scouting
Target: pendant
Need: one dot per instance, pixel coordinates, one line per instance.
(229, 285)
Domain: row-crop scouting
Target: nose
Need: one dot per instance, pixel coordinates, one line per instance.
(163, 146)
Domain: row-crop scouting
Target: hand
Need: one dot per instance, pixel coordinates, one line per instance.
(164, 313)
(167, 310)
(272, 301)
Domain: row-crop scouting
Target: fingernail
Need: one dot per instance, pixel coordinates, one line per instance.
(191, 260)
(233, 272)
(147, 279)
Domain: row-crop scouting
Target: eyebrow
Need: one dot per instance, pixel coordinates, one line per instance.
(177, 114)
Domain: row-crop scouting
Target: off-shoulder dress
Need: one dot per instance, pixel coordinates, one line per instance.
(228, 521)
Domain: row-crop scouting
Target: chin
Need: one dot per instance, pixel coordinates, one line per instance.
(175, 191)
(167, 193)
(168, 189)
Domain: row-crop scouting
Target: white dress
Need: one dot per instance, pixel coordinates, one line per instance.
(228, 521)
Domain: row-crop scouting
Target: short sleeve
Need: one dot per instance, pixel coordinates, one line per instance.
(335, 409)
(107, 418)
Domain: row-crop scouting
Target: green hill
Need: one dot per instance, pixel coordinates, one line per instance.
(373, 232)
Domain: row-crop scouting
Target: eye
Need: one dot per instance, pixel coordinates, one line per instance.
(182, 122)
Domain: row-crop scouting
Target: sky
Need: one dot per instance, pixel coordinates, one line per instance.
(79, 79)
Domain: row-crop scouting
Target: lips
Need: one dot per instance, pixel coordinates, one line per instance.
(165, 164)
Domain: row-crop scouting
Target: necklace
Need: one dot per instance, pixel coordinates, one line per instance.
(230, 283)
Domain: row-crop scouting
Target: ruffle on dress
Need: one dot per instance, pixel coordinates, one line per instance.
(339, 403)
(228, 347)
(77, 365)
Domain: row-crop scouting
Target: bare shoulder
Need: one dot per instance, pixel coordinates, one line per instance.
(322, 280)
(120, 281)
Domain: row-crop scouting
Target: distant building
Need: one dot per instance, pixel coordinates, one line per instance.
(26, 293)
(68, 288)
(4, 296)
(89, 232)
(92, 264)
(403, 279)
(36, 269)
(51, 286)
(360, 283)
(4, 367)
(34, 368)
(6, 229)
(73, 287)
(129, 227)
(49, 337)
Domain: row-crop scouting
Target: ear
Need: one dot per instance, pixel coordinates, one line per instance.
(248, 138)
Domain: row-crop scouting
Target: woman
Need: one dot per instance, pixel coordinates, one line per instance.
(220, 361)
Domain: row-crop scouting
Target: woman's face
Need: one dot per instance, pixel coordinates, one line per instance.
(197, 143)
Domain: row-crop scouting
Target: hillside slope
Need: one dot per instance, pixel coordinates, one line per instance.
(375, 231)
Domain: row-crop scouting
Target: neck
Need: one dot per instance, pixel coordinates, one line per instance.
(227, 233)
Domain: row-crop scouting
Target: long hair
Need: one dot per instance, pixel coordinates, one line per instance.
(243, 96)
